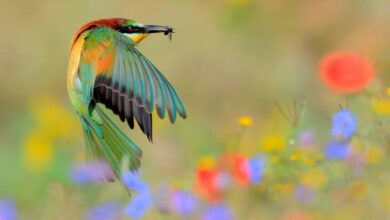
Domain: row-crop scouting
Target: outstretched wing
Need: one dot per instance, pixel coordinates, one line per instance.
(125, 81)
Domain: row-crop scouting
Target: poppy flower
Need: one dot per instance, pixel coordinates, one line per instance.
(346, 71)
(238, 165)
(207, 183)
(240, 169)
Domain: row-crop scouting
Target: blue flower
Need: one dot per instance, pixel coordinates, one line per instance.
(256, 167)
(344, 125)
(139, 205)
(108, 211)
(91, 172)
(8, 210)
(337, 150)
(183, 203)
(218, 212)
(132, 181)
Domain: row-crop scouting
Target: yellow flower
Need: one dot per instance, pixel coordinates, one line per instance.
(207, 162)
(53, 121)
(51, 116)
(294, 157)
(273, 143)
(388, 91)
(245, 121)
(381, 106)
(374, 155)
(284, 188)
(314, 178)
(38, 151)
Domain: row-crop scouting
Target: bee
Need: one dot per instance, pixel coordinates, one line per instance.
(169, 33)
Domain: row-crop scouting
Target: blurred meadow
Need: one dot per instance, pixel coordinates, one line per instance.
(269, 135)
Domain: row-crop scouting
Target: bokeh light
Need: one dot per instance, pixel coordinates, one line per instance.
(288, 113)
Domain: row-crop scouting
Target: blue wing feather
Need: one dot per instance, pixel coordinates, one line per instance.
(131, 86)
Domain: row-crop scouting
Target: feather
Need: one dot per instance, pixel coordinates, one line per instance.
(127, 82)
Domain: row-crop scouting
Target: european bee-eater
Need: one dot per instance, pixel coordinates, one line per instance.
(105, 67)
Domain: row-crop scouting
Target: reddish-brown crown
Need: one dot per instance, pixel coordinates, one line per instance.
(110, 22)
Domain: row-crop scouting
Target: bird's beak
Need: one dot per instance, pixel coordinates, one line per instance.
(143, 32)
(150, 29)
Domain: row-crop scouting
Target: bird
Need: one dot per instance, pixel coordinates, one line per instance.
(106, 72)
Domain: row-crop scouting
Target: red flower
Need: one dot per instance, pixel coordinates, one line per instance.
(237, 164)
(207, 183)
(346, 71)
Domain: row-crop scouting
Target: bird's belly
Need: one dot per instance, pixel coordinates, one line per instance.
(76, 95)
(74, 83)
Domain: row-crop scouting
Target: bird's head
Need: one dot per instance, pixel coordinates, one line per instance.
(137, 32)
(132, 29)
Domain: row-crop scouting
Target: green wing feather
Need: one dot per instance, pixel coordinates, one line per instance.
(113, 72)
(125, 81)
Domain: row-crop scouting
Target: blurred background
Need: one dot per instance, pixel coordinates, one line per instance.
(247, 71)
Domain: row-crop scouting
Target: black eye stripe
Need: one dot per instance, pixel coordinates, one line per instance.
(134, 29)
(130, 29)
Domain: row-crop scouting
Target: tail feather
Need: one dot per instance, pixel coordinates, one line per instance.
(101, 150)
(106, 141)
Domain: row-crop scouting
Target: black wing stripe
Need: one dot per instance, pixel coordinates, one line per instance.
(122, 105)
(121, 109)
(129, 114)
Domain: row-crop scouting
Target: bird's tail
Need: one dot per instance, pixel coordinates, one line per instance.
(104, 140)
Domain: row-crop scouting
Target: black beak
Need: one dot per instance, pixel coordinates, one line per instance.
(150, 29)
